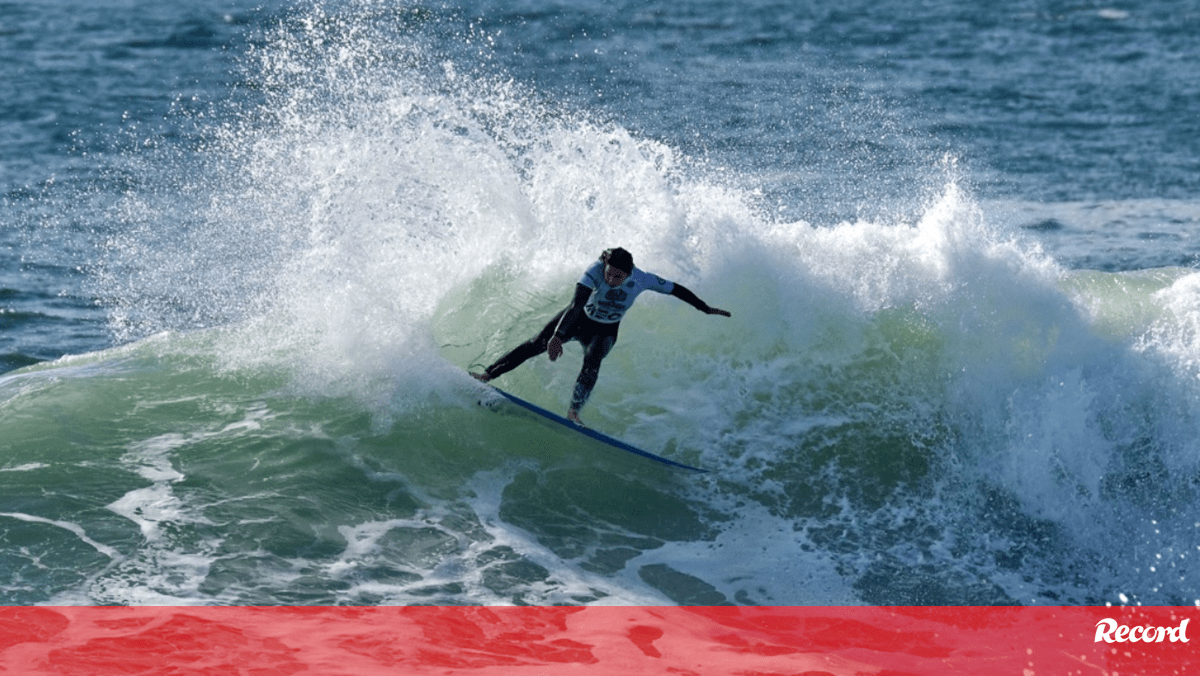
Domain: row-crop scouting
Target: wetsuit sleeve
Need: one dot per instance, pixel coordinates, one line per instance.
(684, 294)
(573, 313)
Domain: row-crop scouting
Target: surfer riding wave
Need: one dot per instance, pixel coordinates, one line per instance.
(602, 296)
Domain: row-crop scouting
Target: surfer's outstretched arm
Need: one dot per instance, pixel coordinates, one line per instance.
(685, 294)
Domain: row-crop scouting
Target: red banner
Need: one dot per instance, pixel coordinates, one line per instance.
(680, 641)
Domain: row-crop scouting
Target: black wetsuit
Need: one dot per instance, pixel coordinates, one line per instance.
(594, 302)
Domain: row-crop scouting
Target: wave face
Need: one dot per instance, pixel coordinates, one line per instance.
(915, 406)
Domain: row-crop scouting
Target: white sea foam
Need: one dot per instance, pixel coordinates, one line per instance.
(69, 526)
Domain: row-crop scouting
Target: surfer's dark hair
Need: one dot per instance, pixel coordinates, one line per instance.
(619, 259)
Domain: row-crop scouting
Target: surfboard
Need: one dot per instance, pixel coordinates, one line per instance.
(589, 432)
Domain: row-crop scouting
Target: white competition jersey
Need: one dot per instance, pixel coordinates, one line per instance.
(608, 304)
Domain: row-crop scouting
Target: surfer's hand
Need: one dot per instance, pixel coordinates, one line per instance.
(554, 348)
(718, 311)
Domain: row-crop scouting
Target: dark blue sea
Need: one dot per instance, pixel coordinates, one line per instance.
(247, 250)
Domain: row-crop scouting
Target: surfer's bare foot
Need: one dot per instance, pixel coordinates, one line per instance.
(573, 416)
(481, 377)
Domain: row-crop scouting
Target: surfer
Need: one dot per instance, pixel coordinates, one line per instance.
(602, 296)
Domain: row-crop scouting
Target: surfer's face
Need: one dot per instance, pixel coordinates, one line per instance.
(613, 276)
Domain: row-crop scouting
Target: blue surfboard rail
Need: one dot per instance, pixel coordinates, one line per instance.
(598, 436)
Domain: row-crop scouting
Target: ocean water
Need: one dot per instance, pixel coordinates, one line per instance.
(248, 248)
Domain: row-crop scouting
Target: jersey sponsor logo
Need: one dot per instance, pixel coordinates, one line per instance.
(605, 312)
(616, 295)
